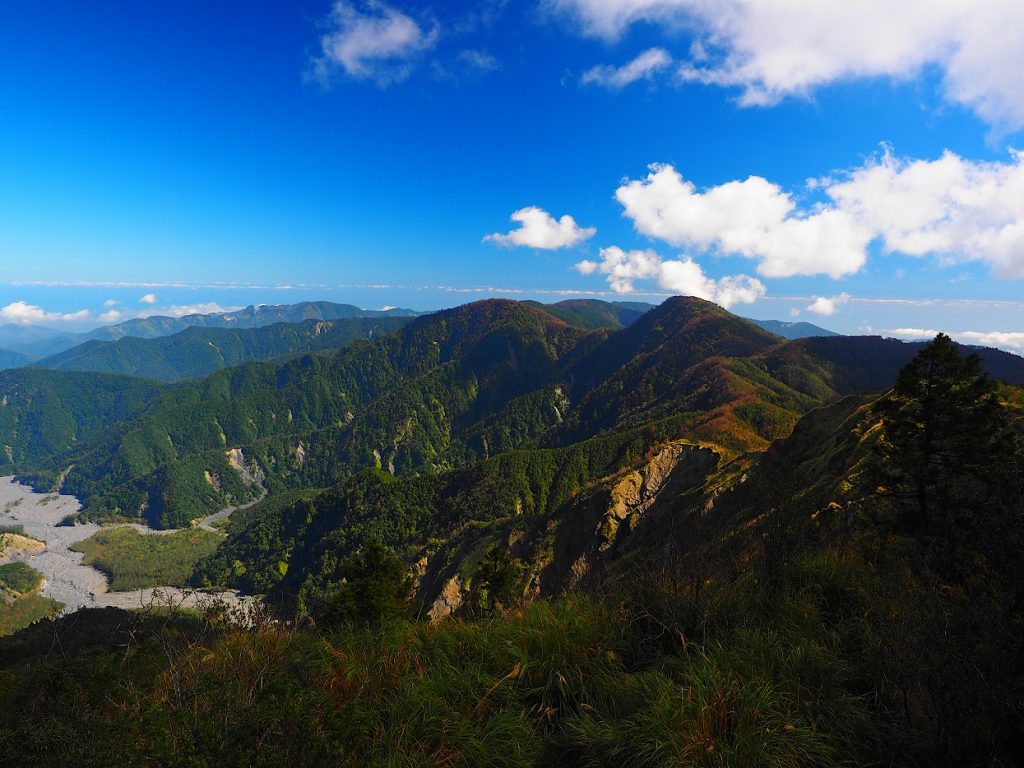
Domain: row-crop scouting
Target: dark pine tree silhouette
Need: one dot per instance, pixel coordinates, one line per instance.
(950, 452)
(375, 588)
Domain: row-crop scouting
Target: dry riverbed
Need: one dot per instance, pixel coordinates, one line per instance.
(65, 578)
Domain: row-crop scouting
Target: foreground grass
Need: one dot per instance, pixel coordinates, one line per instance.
(132, 560)
(554, 684)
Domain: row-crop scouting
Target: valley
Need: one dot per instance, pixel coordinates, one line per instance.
(488, 384)
(605, 480)
(66, 579)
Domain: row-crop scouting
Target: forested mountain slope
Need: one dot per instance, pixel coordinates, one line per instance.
(463, 385)
(47, 413)
(895, 556)
(197, 351)
(591, 313)
(849, 591)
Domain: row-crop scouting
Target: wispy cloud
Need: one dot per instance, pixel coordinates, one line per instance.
(372, 41)
(643, 67)
(495, 290)
(213, 286)
(772, 50)
(477, 60)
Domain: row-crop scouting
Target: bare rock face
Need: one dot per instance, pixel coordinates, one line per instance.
(600, 525)
(449, 601)
(638, 490)
(251, 472)
(621, 513)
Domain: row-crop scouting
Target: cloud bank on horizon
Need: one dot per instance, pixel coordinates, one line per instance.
(24, 313)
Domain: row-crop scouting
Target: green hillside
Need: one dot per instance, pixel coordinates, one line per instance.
(45, 414)
(850, 596)
(590, 313)
(196, 352)
(456, 387)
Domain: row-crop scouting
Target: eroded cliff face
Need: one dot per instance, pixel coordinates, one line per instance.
(579, 539)
(603, 524)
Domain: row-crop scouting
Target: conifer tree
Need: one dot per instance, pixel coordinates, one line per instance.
(376, 588)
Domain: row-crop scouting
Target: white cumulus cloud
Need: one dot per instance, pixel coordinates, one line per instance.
(539, 229)
(23, 313)
(955, 209)
(149, 298)
(771, 49)
(623, 267)
(828, 305)
(952, 207)
(643, 67)
(753, 218)
(372, 41)
(683, 276)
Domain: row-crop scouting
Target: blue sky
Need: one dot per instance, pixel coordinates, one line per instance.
(312, 149)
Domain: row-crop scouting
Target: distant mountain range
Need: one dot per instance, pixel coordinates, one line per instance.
(253, 316)
(196, 351)
(793, 330)
(9, 359)
(27, 340)
(168, 349)
(38, 342)
(444, 391)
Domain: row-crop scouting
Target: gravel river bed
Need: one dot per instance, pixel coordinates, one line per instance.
(66, 579)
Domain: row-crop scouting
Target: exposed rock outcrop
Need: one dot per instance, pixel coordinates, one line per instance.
(584, 535)
(601, 525)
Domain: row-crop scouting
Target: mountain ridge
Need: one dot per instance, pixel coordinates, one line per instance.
(466, 384)
(197, 351)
